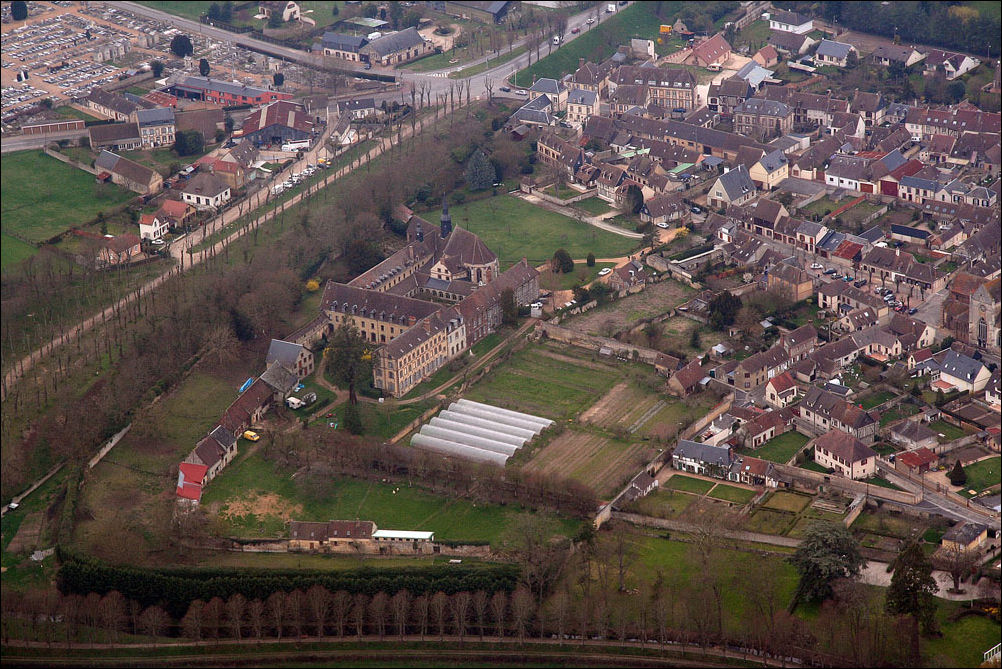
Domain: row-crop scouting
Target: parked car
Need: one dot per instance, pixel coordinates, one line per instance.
(831, 271)
(606, 270)
(696, 210)
(575, 31)
(505, 89)
(912, 311)
(860, 283)
(521, 91)
(250, 435)
(663, 226)
(590, 21)
(817, 265)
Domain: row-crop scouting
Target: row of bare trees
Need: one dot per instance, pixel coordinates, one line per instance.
(851, 630)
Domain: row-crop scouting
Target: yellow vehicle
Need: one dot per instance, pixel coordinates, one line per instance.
(250, 435)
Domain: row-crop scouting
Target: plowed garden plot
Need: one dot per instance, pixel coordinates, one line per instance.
(654, 300)
(599, 462)
(624, 406)
(535, 382)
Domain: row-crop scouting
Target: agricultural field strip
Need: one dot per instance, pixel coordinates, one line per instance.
(647, 416)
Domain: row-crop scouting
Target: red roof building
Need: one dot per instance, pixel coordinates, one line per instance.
(917, 461)
(189, 481)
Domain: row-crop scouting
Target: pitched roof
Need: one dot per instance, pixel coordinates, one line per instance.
(763, 107)
(548, 86)
(705, 453)
(844, 446)
(782, 383)
(712, 49)
(189, 480)
(915, 431)
(112, 133)
(205, 185)
(341, 42)
(690, 375)
(284, 352)
(789, 18)
(282, 113)
(157, 116)
(831, 49)
(394, 42)
(960, 366)
(737, 183)
(209, 84)
(131, 170)
(239, 413)
(113, 101)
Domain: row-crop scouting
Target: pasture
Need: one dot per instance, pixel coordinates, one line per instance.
(43, 197)
(514, 228)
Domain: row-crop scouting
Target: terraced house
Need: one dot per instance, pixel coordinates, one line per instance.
(822, 412)
(671, 88)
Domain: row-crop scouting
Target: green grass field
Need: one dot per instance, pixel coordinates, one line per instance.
(948, 430)
(768, 521)
(689, 484)
(662, 503)
(13, 251)
(595, 206)
(514, 229)
(787, 501)
(189, 10)
(43, 197)
(390, 506)
(544, 386)
(964, 641)
(73, 112)
(780, 449)
(876, 399)
(731, 493)
(983, 474)
(582, 274)
(600, 42)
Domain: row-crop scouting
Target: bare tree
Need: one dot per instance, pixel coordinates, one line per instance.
(523, 605)
(481, 602)
(276, 611)
(111, 611)
(559, 609)
(421, 606)
(235, 607)
(341, 606)
(461, 602)
(153, 621)
(255, 618)
(191, 624)
(499, 611)
(320, 602)
(957, 561)
(294, 611)
(439, 609)
(489, 87)
(360, 603)
(401, 605)
(378, 610)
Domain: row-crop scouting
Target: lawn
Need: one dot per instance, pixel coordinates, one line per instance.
(43, 197)
(73, 112)
(881, 482)
(600, 41)
(768, 521)
(383, 420)
(897, 413)
(595, 206)
(948, 430)
(581, 275)
(489, 342)
(787, 501)
(780, 449)
(731, 493)
(189, 9)
(662, 503)
(689, 484)
(964, 641)
(813, 466)
(983, 474)
(514, 229)
(876, 399)
(269, 497)
(13, 251)
(540, 384)
(822, 207)
(888, 525)
(755, 35)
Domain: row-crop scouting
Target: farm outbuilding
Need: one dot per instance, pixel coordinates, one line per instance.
(479, 432)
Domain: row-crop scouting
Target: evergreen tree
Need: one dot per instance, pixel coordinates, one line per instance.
(634, 199)
(347, 355)
(827, 552)
(562, 261)
(723, 310)
(957, 475)
(181, 46)
(912, 592)
(590, 260)
(278, 79)
(203, 67)
(480, 173)
(19, 10)
(352, 419)
(157, 67)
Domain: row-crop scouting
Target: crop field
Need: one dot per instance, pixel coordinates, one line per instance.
(600, 462)
(253, 497)
(514, 228)
(43, 197)
(623, 406)
(544, 384)
(613, 317)
(676, 414)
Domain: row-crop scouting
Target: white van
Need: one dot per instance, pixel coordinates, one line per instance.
(294, 403)
(556, 39)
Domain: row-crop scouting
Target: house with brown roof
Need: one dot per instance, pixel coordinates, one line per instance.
(767, 56)
(781, 390)
(205, 191)
(713, 51)
(128, 174)
(115, 137)
(763, 427)
(686, 380)
(214, 451)
(591, 77)
(332, 536)
(790, 281)
(119, 250)
(753, 471)
(178, 214)
(821, 411)
(249, 408)
(846, 455)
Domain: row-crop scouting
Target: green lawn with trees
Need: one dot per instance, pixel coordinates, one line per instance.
(641, 19)
(43, 196)
(779, 449)
(514, 229)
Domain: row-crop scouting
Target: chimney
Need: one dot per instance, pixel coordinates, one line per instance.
(411, 320)
(427, 325)
(897, 252)
(419, 233)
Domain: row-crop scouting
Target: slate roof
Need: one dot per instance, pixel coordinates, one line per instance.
(964, 533)
(960, 366)
(132, 171)
(282, 379)
(113, 101)
(737, 183)
(113, 133)
(398, 41)
(579, 96)
(762, 107)
(284, 352)
(208, 84)
(205, 185)
(787, 40)
(789, 18)
(705, 453)
(340, 42)
(832, 49)
(548, 86)
(915, 431)
(157, 116)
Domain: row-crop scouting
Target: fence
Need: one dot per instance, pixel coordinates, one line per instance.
(560, 201)
(723, 406)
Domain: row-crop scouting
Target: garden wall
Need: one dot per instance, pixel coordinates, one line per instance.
(808, 480)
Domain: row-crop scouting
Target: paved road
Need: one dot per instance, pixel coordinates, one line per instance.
(936, 503)
(24, 142)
